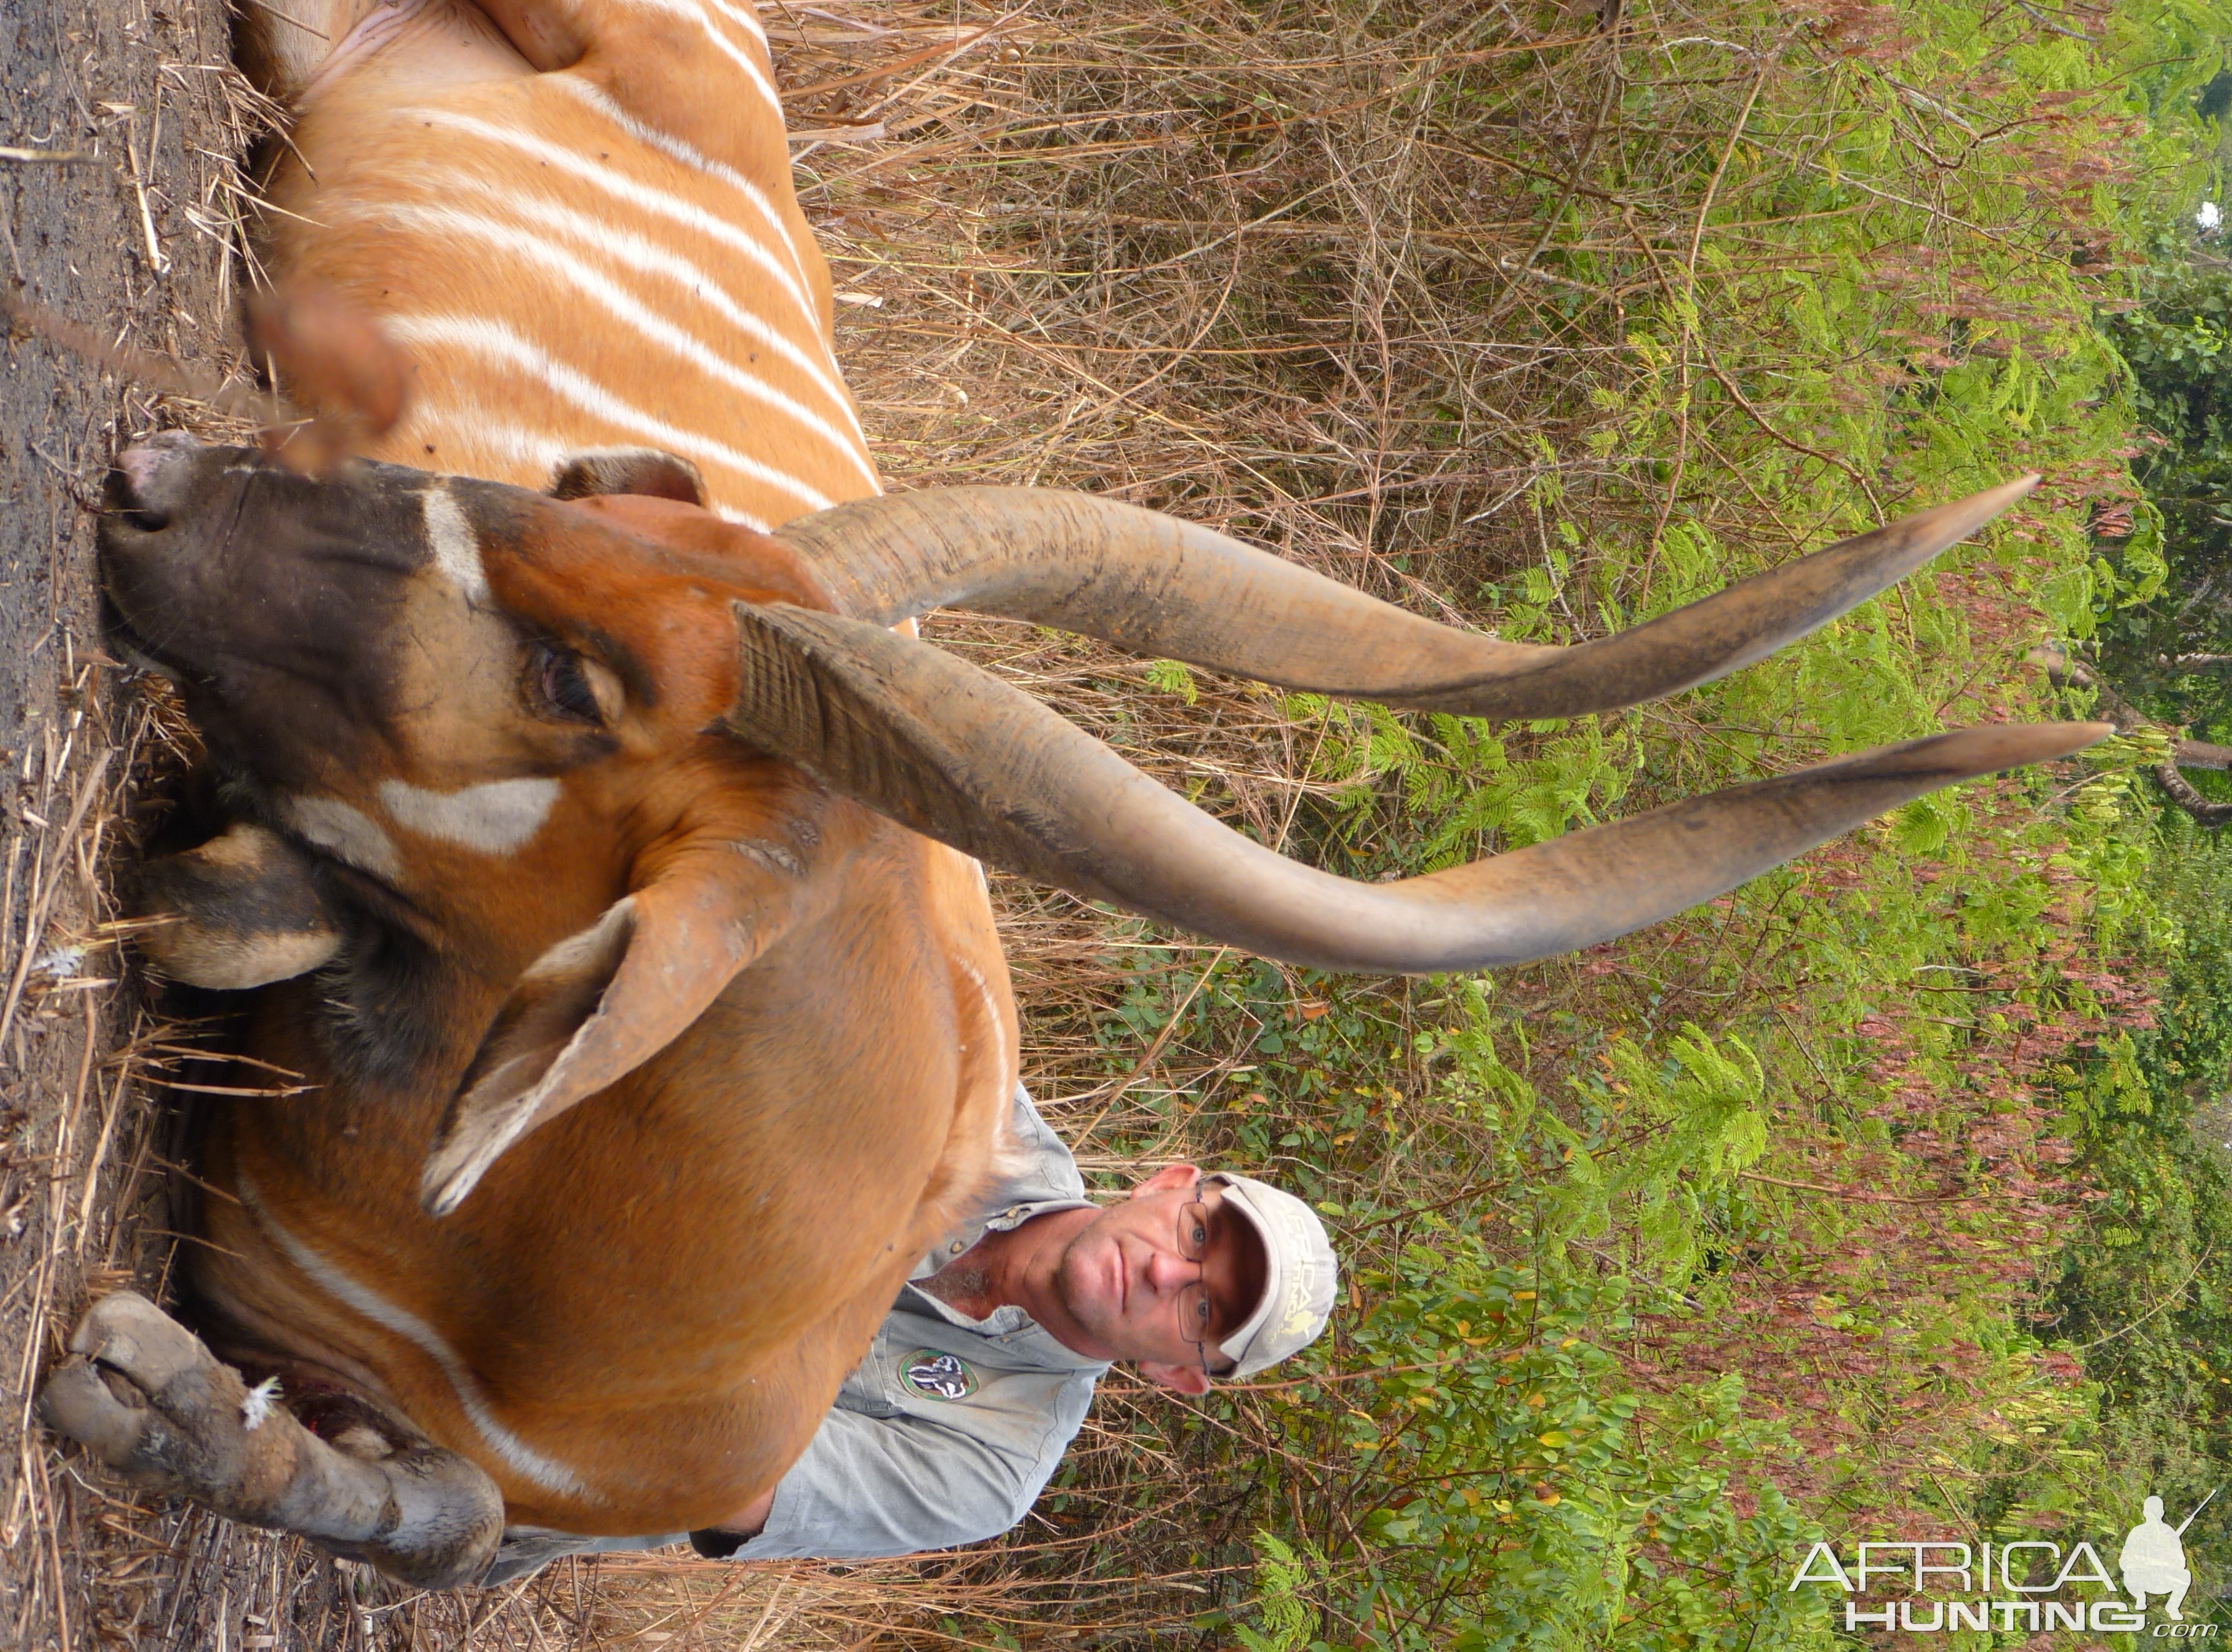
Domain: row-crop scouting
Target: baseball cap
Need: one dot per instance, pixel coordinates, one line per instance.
(1299, 1277)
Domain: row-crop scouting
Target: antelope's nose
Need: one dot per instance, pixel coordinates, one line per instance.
(153, 479)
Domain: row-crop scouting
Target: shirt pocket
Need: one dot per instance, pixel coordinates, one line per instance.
(873, 1388)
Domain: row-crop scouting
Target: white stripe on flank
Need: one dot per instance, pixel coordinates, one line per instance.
(493, 342)
(465, 428)
(667, 144)
(531, 1464)
(991, 1014)
(457, 548)
(640, 195)
(696, 13)
(743, 17)
(640, 253)
(529, 248)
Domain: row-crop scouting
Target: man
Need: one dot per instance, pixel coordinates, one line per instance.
(981, 1373)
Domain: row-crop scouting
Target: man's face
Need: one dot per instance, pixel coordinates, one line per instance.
(1122, 1274)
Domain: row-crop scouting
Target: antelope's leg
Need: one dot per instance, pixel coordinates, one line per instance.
(241, 911)
(144, 1396)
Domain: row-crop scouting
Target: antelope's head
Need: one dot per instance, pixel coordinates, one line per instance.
(476, 705)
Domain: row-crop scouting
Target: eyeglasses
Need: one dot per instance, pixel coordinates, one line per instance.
(1196, 1312)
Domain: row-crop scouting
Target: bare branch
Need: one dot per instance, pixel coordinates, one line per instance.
(2065, 672)
(2199, 753)
(2182, 794)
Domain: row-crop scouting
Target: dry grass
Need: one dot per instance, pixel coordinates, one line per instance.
(1127, 253)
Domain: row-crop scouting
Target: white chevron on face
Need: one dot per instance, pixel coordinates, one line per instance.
(495, 817)
(456, 548)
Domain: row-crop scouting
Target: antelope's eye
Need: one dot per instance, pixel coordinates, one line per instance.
(562, 682)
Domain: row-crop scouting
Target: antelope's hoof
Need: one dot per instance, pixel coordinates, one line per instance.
(103, 1413)
(128, 1333)
(142, 1393)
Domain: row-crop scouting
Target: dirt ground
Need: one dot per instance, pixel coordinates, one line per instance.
(119, 123)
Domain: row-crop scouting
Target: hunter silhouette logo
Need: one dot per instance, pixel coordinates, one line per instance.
(2031, 1579)
(2153, 1559)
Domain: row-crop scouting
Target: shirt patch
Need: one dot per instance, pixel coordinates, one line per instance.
(929, 1374)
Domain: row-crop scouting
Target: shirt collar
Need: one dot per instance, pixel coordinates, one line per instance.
(1007, 1325)
(999, 1219)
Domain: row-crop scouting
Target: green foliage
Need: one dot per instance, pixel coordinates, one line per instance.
(1287, 1618)
(1536, 1499)
(2145, 1289)
(1174, 677)
(2176, 347)
(1665, 1261)
(2174, 535)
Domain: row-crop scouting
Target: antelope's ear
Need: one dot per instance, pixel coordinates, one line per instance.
(628, 469)
(242, 911)
(601, 1003)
